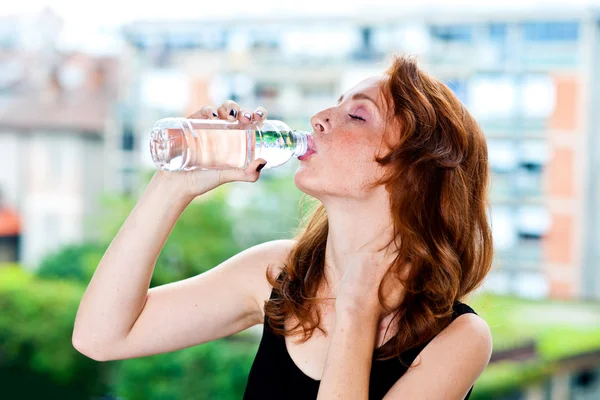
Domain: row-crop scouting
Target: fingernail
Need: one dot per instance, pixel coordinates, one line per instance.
(261, 166)
(233, 112)
(215, 114)
(248, 115)
(260, 113)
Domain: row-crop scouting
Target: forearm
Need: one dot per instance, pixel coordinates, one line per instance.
(117, 291)
(349, 358)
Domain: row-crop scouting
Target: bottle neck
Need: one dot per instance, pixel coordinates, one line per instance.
(301, 139)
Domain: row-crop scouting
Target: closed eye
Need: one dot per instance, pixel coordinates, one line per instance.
(356, 117)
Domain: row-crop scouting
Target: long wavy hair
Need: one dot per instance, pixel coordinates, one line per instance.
(437, 176)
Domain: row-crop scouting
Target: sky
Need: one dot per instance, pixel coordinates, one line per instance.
(115, 12)
(93, 26)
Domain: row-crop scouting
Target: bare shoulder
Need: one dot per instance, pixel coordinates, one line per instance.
(474, 328)
(468, 335)
(471, 330)
(450, 364)
(270, 256)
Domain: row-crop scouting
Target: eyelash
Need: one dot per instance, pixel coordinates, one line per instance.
(356, 117)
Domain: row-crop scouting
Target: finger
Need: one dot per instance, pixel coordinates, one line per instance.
(256, 166)
(245, 116)
(416, 361)
(250, 174)
(260, 114)
(229, 110)
(206, 112)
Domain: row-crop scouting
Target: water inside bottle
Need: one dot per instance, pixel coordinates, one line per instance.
(188, 149)
(187, 145)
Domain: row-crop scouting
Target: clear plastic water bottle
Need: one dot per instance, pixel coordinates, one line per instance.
(178, 144)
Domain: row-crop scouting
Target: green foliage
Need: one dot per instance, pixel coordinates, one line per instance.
(216, 225)
(74, 262)
(36, 324)
(213, 370)
(505, 377)
(566, 341)
(559, 329)
(201, 239)
(38, 310)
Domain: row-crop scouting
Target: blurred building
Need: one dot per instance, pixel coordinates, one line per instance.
(10, 232)
(531, 80)
(530, 83)
(55, 110)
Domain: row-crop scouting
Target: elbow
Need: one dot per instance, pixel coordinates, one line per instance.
(88, 349)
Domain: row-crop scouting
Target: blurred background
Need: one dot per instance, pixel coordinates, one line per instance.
(81, 85)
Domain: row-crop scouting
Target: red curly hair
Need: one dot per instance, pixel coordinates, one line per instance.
(437, 176)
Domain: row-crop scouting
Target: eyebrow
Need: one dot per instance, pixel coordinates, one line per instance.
(360, 96)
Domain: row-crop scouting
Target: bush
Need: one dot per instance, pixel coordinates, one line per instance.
(213, 370)
(37, 359)
(40, 309)
(213, 228)
(75, 262)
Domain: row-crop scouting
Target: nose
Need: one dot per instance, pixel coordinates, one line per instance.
(320, 122)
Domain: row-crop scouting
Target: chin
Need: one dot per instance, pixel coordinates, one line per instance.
(306, 181)
(317, 187)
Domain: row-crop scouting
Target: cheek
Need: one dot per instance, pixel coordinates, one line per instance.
(350, 162)
(353, 168)
(358, 154)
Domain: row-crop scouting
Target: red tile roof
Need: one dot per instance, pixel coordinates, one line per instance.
(10, 223)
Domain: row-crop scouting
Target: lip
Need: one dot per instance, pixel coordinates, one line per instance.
(311, 149)
(306, 155)
(311, 144)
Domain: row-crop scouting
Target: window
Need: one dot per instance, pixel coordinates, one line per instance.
(452, 33)
(533, 156)
(128, 138)
(498, 32)
(585, 384)
(528, 181)
(317, 42)
(503, 155)
(566, 31)
(533, 222)
(538, 96)
(265, 39)
(492, 96)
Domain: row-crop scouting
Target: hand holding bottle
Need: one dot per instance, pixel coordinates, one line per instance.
(198, 181)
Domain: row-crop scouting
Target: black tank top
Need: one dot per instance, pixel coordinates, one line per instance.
(274, 375)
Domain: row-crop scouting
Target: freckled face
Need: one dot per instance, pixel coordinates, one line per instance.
(347, 138)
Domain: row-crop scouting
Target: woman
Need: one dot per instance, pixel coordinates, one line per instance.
(372, 285)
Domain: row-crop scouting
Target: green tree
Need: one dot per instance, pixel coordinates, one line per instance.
(213, 370)
(213, 228)
(37, 359)
(75, 262)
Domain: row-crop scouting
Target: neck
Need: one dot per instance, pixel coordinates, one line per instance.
(352, 225)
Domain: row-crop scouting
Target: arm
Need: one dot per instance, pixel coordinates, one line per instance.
(117, 292)
(446, 368)
(119, 317)
(349, 358)
(450, 364)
